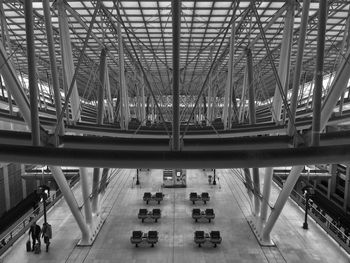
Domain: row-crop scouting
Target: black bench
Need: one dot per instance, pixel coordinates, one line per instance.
(203, 197)
(139, 237)
(214, 237)
(154, 214)
(207, 214)
(147, 196)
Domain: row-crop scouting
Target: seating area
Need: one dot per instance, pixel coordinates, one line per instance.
(138, 237)
(154, 214)
(204, 197)
(157, 197)
(200, 238)
(205, 214)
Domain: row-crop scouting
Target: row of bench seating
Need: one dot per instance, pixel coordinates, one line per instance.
(145, 214)
(203, 197)
(157, 197)
(139, 237)
(207, 214)
(214, 237)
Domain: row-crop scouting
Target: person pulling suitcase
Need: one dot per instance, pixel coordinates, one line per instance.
(35, 230)
(47, 235)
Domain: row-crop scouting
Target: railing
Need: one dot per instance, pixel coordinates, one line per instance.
(337, 233)
(12, 234)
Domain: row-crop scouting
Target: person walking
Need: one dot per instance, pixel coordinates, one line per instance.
(47, 235)
(35, 230)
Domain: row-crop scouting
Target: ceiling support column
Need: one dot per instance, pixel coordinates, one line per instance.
(67, 59)
(53, 64)
(72, 203)
(284, 62)
(32, 80)
(143, 101)
(100, 111)
(6, 39)
(86, 195)
(317, 96)
(227, 111)
(176, 20)
(124, 104)
(242, 102)
(265, 196)
(252, 120)
(280, 202)
(109, 98)
(298, 66)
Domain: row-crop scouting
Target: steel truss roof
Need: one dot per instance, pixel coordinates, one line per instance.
(147, 36)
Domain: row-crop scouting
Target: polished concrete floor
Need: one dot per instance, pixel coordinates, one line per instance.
(232, 207)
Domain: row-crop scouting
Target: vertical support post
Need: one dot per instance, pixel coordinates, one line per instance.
(67, 58)
(72, 203)
(6, 38)
(250, 86)
(347, 189)
(284, 63)
(24, 182)
(104, 178)
(321, 35)
(86, 196)
(6, 187)
(227, 102)
(124, 116)
(143, 102)
(176, 20)
(242, 102)
(109, 98)
(53, 64)
(280, 202)
(298, 65)
(100, 106)
(95, 190)
(266, 195)
(33, 85)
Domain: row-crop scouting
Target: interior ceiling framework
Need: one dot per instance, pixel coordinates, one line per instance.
(205, 26)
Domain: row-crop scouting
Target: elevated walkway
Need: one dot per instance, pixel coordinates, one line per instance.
(176, 227)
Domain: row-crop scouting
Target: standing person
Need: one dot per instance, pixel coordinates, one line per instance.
(47, 234)
(35, 231)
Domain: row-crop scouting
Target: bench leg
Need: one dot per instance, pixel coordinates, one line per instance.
(158, 202)
(156, 220)
(199, 244)
(143, 220)
(205, 202)
(196, 220)
(147, 202)
(215, 245)
(192, 202)
(152, 245)
(136, 245)
(209, 220)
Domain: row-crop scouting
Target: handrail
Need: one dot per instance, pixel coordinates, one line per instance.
(335, 232)
(11, 235)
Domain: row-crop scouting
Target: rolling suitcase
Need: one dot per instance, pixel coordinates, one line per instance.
(37, 248)
(28, 246)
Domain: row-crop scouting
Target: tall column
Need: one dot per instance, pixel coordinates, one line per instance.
(317, 98)
(33, 85)
(266, 195)
(109, 98)
(347, 189)
(24, 183)
(250, 85)
(100, 106)
(284, 62)
(86, 195)
(298, 66)
(143, 102)
(242, 102)
(67, 59)
(229, 86)
(6, 187)
(72, 203)
(124, 106)
(6, 39)
(53, 64)
(176, 20)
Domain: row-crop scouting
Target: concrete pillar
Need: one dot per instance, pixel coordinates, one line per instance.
(24, 183)
(266, 195)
